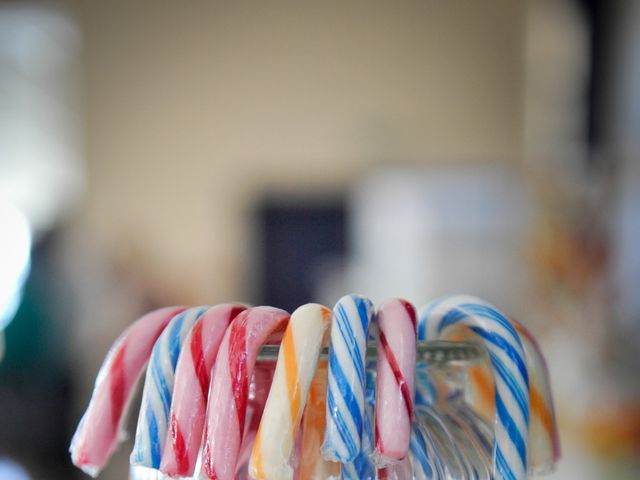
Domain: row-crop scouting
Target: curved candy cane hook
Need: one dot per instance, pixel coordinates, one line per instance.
(297, 362)
(395, 380)
(229, 390)
(346, 386)
(544, 441)
(312, 464)
(153, 419)
(510, 371)
(189, 402)
(99, 430)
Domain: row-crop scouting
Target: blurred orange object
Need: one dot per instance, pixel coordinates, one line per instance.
(615, 432)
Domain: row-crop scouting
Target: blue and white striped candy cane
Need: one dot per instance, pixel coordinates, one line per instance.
(510, 373)
(346, 383)
(153, 420)
(362, 467)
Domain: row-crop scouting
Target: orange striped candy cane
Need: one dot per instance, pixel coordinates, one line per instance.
(312, 465)
(297, 361)
(544, 441)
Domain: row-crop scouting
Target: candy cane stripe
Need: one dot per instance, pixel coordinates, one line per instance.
(345, 398)
(510, 373)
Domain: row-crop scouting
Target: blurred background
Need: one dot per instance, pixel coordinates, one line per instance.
(157, 153)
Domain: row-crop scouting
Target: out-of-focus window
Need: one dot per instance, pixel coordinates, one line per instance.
(40, 177)
(39, 148)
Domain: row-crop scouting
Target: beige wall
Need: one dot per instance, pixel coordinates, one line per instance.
(192, 108)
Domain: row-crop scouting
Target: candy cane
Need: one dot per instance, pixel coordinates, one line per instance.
(511, 377)
(395, 380)
(262, 378)
(345, 396)
(229, 390)
(362, 467)
(100, 428)
(153, 419)
(312, 464)
(296, 365)
(191, 389)
(544, 441)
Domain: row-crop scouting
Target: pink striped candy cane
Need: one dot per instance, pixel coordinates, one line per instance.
(191, 388)
(229, 389)
(262, 378)
(99, 430)
(395, 380)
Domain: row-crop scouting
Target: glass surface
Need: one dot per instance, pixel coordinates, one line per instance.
(432, 353)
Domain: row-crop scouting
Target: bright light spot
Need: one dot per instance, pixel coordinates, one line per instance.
(12, 471)
(15, 252)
